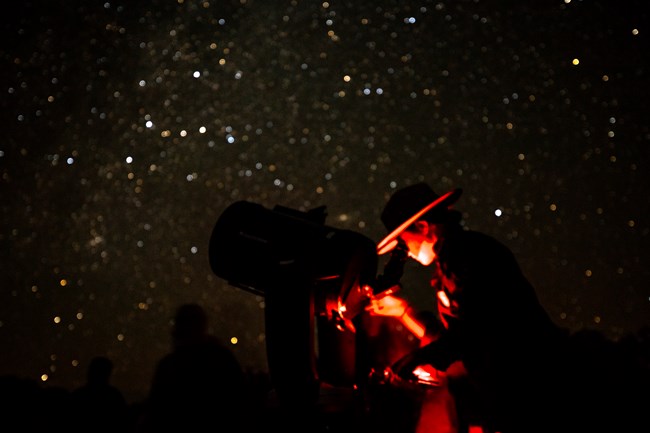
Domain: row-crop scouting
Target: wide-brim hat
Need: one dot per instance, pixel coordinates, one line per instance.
(409, 204)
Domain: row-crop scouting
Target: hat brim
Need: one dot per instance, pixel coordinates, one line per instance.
(390, 241)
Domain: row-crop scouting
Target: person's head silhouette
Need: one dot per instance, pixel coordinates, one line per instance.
(190, 323)
(99, 370)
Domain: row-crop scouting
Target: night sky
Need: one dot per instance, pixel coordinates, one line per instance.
(128, 128)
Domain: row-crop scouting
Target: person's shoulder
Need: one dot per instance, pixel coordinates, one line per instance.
(79, 393)
(210, 346)
(168, 361)
(481, 246)
(476, 237)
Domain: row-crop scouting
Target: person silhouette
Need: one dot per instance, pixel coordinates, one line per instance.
(99, 406)
(492, 321)
(198, 386)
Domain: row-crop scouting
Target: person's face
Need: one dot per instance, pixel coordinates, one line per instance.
(420, 239)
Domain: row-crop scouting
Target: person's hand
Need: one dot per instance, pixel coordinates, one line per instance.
(427, 375)
(438, 354)
(406, 367)
(387, 306)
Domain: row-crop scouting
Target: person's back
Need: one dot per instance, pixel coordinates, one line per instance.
(507, 342)
(499, 311)
(200, 385)
(98, 406)
(535, 375)
(197, 379)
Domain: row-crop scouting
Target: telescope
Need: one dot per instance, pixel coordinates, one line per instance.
(315, 280)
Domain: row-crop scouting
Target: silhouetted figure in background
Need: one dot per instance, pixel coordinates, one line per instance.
(98, 406)
(610, 381)
(199, 385)
(53, 408)
(27, 405)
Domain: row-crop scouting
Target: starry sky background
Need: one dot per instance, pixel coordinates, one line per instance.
(128, 128)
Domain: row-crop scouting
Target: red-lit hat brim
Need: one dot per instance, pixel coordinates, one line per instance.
(390, 241)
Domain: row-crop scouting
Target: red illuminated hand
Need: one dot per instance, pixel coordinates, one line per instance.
(388, 306)
(428, 375)
(422, 374)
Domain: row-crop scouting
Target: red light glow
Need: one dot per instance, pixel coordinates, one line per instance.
(444, 300)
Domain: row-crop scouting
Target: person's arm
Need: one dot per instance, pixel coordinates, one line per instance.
(398, 308)
(409, 321)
